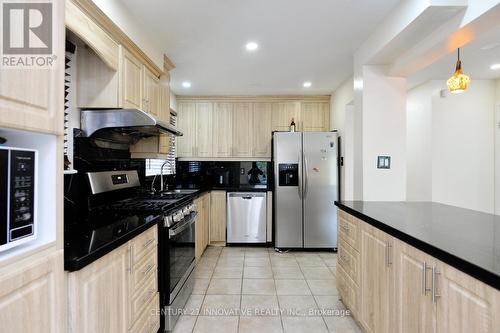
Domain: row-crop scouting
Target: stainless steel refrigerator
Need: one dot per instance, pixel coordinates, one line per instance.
(305, 188)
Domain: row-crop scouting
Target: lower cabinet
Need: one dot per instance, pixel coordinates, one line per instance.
(403, 289)
(377, 279)
(203, 224)
(118, 292)
(32, 297)
(217, 218)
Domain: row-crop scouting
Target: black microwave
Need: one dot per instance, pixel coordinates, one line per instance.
(17, 196)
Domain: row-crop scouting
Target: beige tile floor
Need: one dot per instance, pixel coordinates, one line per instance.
(258, 290)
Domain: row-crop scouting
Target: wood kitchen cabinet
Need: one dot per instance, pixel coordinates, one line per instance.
(32, 297)
(203, 224)
(186, 123)
(377, 279)
(151, 101)
(282, 115)
(222, 138)
(119, 291)
(262, 130)
(32, 99)
(403, 289)
(315, 116)
(242, 130)
(414, 310)
(203, 125)
(131, 80)
(217, 218)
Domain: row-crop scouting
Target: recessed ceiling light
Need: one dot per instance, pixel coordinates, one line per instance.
(307, 84)
(252, 46)
(495, 67)
(186, 84)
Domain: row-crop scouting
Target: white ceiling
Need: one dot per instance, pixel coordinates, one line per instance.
(299, 40)
(477, 57)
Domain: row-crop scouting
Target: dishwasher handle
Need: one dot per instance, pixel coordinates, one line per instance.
(246, 195)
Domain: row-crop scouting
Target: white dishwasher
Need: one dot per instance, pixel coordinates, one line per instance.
(246, 217)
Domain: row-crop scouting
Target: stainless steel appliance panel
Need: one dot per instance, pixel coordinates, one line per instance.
(246, 217)
(320, 189)
(287, 149)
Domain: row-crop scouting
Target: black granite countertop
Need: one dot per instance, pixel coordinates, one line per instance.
(465, 239)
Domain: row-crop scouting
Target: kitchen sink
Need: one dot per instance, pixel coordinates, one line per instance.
(180, 191)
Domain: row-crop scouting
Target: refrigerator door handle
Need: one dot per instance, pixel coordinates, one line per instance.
(306, 185)
(299, 187)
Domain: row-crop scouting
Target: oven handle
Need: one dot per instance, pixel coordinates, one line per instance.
(180, 228)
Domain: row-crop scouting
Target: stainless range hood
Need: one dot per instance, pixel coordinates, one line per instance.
(123, 125)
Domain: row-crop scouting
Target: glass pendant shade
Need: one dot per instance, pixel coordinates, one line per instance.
(458, 82)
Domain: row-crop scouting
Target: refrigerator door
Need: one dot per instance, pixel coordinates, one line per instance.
(287, 155)
(320, 189)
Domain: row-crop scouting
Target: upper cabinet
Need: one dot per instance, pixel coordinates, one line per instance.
(131, 81)
(262, 129)
(151, 101)
(222, 125)
(234, 128)
(242, 130)
(315, 116)
(32, 98)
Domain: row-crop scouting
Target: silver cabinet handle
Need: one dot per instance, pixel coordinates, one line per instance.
(131, 259)
(148, 269)
(388, 261)
(435, 294)
(424, 278)
(346, 228)
(146, 244)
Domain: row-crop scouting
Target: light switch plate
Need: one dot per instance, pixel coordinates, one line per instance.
(383, 162)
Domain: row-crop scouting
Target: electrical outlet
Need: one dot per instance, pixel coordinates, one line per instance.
(242, 171)
(383, 162)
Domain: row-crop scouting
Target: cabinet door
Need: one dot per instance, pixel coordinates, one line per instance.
(32, 99)
(242, 130)
(414, 310)
(164, 113)
(315, 116)
(206, 226)
(376, 279)
(198, 236)
(131, 78)
(32, 297)
(151, 91)
(203, 147)
(262, 129)
(223, 129)
(283, 113)
(186, 116)
(98, 295)
(465, 304)
(218, 217)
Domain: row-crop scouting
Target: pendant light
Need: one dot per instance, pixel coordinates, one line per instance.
(458, 82)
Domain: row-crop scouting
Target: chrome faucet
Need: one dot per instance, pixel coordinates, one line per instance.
(161, 173)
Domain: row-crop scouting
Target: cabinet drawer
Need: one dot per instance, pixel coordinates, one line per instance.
(144, 271)
(348, 229)
(348, 290)
(149, 320)
(142, 244)
(141, 300)
(348, 258)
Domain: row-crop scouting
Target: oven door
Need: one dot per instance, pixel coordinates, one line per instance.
(181, 245)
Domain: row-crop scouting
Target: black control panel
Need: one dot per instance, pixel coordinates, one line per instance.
(4, 186)
(119, 179)
(22, 191)
(288, 174)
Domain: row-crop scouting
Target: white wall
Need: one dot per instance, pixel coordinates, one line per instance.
(451, 145)
(384, 133)
(133, 28)
(497, 148)
(419, 142)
